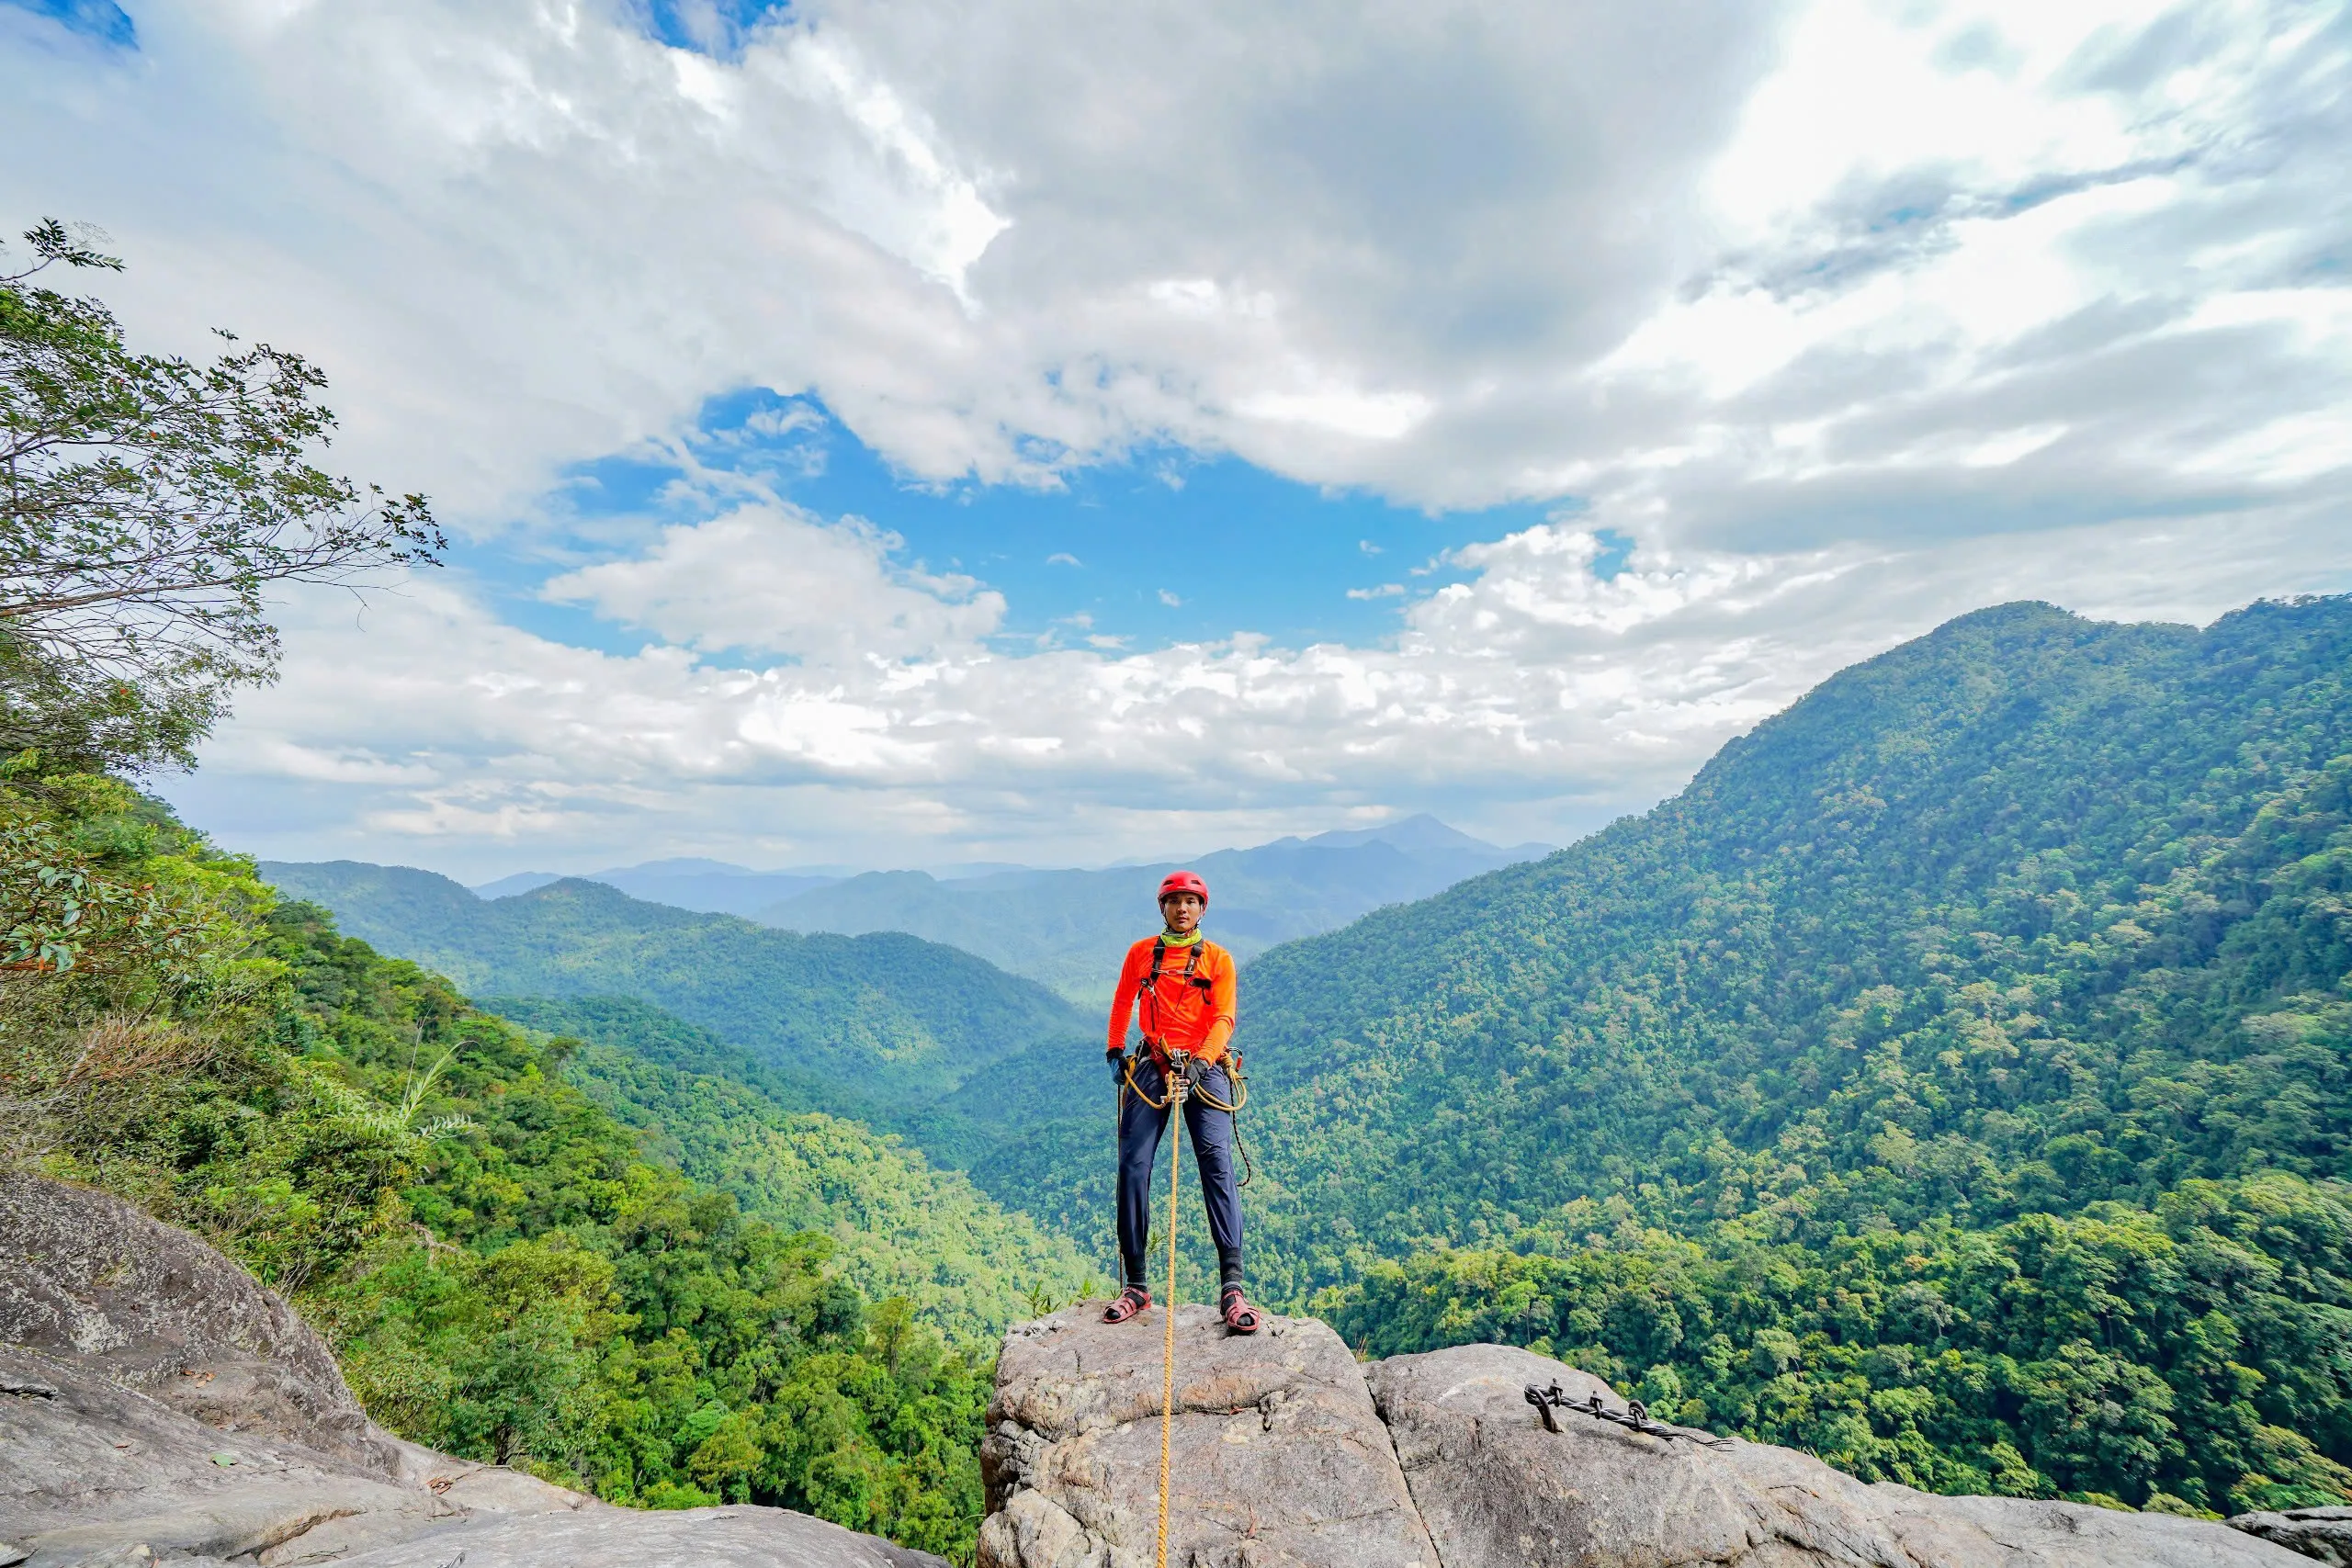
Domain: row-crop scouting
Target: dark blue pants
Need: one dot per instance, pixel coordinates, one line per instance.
(1140, 1128)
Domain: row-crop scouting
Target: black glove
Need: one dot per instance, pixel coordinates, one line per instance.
(1118, 1060)
(1194, 1070)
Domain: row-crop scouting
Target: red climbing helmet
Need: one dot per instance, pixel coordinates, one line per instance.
(1183, 882)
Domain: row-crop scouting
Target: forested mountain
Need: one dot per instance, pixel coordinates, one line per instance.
(2028, 913)
(1966, 1053)
(1952, 1080)
(887, 1016)
(506, 1271)
(712, 887)
(1070, 929)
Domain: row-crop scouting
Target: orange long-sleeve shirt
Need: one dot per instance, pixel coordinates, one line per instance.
(1176, 1014)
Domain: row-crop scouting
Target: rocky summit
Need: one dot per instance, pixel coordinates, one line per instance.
(1285, 1449)
(158, 1405)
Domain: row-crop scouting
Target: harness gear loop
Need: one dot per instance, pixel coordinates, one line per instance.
(1167, 1345)
(1207, 1097)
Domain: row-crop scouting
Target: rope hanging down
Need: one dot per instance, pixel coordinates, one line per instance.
(1168, 1344)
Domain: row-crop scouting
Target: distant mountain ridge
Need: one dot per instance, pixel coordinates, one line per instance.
(886, 1016)
(1069, 929)
(709, 886)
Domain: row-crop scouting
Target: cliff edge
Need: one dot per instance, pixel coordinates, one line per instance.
(1285, 1449)
(157, 1404)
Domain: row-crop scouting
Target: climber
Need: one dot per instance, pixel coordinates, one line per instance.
(1179, 988)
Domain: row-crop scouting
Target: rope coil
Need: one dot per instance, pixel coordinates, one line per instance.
(1240, 1082)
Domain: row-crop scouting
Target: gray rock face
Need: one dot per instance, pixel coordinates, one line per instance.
(1495, 1487)
(1287, 1452)
(87, 1276)
(690, 1538)
(92, 1467)
(2321, 1533)
(1276, 1455)
(158, 1405)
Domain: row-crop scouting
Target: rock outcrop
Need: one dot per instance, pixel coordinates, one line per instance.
(1495, 1487)
(1287, 1450)
(158, 1405)
(88, 1278)
(2321, 1533)
(1276, 1453)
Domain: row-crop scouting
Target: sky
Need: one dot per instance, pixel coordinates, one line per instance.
(915, 433)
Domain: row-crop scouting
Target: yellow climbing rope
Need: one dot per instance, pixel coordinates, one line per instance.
(1167, 1350)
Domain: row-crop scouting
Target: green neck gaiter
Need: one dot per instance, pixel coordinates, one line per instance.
(1173, 940)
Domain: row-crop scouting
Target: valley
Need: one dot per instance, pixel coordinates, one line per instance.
(2023, 941)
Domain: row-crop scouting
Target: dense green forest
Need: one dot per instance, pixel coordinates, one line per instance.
(502, 1270)
(1953, 1079)
(899, 1226)
(885, 1018)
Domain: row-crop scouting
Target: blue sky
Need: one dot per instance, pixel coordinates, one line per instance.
(1100, 553)
(919, 433)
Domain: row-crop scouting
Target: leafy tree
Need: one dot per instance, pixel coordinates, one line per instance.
(149, 502)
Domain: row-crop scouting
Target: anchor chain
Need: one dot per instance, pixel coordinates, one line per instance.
(1635, 1416)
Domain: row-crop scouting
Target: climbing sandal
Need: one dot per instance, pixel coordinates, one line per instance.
(1132, 1300)
(1239, 1315)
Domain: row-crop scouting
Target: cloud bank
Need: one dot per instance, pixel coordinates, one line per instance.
(1849, 317)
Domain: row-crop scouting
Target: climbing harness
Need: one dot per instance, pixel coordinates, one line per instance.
(1153, 1035)
(1635, 1416)
(1155, 1040)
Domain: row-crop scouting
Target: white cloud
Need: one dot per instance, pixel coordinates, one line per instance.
(1533, 696)
(774, 579)
(1456, 253)
(1850, 316)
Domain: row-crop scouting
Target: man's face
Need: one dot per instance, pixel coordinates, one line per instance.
(1183, 911)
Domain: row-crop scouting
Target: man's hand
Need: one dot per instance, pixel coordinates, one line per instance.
(1118, 1060)
(1194, 1069)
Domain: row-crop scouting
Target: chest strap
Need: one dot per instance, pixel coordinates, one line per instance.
(1153, 1036)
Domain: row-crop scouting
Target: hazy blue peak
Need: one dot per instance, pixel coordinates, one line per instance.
(521, 882)
(1420, 832)
(681, 865)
